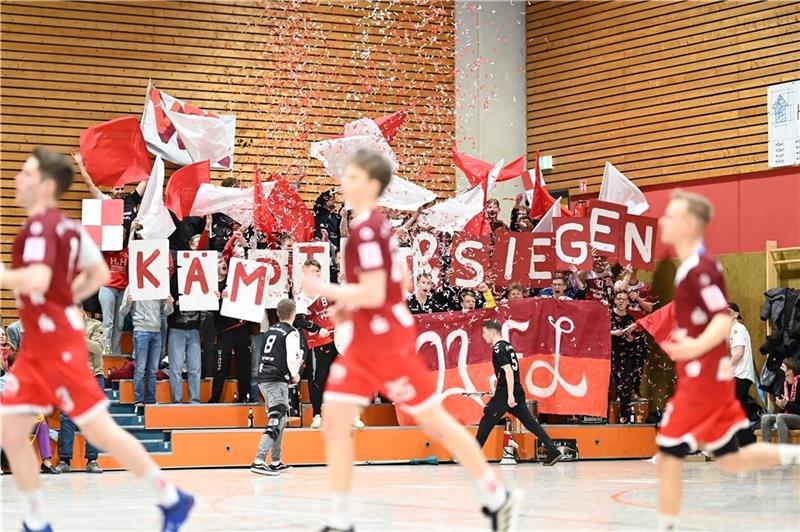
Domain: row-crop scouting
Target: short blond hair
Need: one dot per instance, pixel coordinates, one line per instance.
(696, 205)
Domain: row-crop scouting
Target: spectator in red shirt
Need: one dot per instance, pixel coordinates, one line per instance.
(110, 297)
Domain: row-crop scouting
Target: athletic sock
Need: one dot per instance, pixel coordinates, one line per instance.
(165, 490)
(492, 492)
(789, 454)
(667, 522)
(341, 516)
(34, 510)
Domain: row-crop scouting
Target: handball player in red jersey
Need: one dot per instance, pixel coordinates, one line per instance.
(55, 264)
(382, 355)
(703, 412)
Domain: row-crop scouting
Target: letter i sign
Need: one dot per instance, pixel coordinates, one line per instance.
(102, 219)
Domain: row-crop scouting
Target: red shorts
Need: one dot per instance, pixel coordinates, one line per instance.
(38, 381)
(399, 375)
(685, 422)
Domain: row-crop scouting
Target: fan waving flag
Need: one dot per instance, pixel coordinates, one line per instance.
(182, 187)
(390, 124)
(616, 188)
(153, 215)
(477, 170)
(115, 153)
(183, 133)
(286, 212)
(539, 198)
(361, 134)
(659, 323)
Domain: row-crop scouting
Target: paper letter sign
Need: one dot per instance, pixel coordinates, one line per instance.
(572, 247)
(543, 260)
(638, 241)
(197, 280)
(511, 258)
(605, 221)
(320, 251)
(469, 258)
(246, 288)
(148, 269)
(426, 257)
(277, 276)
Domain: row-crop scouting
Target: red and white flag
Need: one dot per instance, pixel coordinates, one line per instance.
(545, 224)
(456, 213)
(184, 134)
(102, 220)
(235, 202)
(616, 188)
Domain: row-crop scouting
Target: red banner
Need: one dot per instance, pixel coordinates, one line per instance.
(564, 350)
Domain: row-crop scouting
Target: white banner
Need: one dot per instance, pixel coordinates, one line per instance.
(277, 263)
(246, 289)
(303, 251)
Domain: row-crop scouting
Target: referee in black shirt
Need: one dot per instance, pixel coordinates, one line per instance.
(509, 398)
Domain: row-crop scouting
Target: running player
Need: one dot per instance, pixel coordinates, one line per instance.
(55, 264)
(703, 411)
(509, 395)
(381, 354)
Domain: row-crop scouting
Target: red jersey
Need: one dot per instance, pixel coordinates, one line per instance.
(52, 239)
(316, 312)
(372, 246)
(600, 286)
(117, 262)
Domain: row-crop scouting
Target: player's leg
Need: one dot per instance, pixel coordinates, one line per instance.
(532, 425)
(337, 425)
(756, 456)
(670, 484)
(492, 412)
(276, 396)
(499, 505)
(16, 430)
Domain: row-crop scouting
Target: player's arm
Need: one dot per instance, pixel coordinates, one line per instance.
(737, 352)
(294, 354)
(31, 279)
(510, 381)
(682, 347)
(90, 280)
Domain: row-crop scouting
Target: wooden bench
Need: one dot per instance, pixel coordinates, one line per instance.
(794, 436)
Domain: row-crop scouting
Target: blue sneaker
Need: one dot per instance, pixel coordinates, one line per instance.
(47, 528)
(176, 515)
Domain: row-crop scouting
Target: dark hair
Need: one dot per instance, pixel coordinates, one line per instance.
(285, 237)
(734, 307)
(425, 274)
(286, 309)
(792, 364)
(493, 201)
(229, 182)
(313, 262)
(493, 325)
(375, 164)
(55, 166)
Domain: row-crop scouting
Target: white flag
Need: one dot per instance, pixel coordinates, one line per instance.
(361, 134)
(153, 215)
(616, 188)
(235, 202)
(545, 225)
(184, 134)
(453, 214)
(404, 195)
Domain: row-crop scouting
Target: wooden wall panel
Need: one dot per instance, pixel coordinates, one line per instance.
(292, 72)
(667, 91)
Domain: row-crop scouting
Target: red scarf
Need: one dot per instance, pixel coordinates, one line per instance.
(792, 395)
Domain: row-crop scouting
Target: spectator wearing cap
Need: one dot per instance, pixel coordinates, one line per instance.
(744, 371)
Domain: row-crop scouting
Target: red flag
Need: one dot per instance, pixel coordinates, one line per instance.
(659, 323)
(114, 152)
(182, 187)
(285, 212)
(390, 124)
(477, 171)
(478, 226)
(542, 200)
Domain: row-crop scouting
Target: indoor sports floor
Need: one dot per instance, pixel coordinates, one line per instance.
(598, 495)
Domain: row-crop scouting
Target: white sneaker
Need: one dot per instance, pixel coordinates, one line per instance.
(358, 424)
(316, 422)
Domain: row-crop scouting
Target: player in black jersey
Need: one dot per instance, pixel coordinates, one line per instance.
(280, 365)
(509, 396)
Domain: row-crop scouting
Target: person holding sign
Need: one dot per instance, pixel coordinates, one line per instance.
(509, 395)
(382, 354)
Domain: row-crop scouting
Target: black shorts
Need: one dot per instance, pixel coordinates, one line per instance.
(680, 451)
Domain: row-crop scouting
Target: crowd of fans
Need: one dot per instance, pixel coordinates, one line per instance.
(206, 344)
